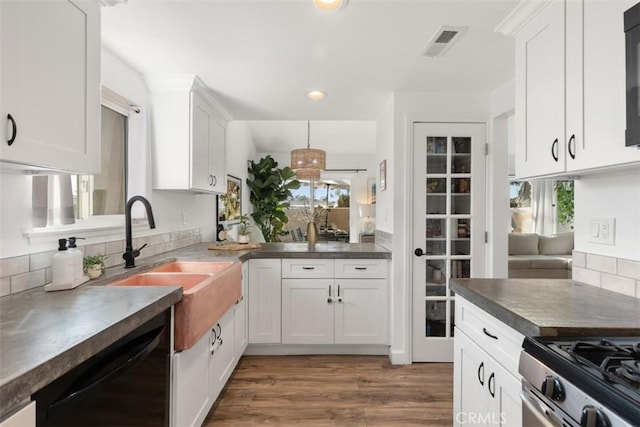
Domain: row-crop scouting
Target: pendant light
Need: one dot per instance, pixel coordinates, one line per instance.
(308, 162)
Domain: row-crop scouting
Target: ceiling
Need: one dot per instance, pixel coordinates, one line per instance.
(261, 56)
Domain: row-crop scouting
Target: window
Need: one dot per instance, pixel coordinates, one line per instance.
(331, 212)
(105, 194)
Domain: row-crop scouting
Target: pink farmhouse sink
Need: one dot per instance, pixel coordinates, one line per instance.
(209, 290)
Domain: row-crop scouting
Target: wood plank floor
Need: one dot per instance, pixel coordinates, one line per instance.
(334, 391)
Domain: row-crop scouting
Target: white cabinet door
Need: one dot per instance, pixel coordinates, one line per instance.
(265, 301)
(201, 125)
(540, 94)
(307, 311)
(361, 314)
(484, 392)
(50, 71)
(217, 157)
(190, 384)
(223, 358)
(470, 375)
(25, 417)
(596, 98)
(241, 315)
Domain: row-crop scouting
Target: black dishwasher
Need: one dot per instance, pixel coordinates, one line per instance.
(126, 384)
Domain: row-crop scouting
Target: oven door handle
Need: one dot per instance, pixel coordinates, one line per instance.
(537, 409)
(84, 385)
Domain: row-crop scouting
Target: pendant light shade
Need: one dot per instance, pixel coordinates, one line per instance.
(308, 162)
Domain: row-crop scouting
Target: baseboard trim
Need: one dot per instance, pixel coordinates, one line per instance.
(299, 349)
(399, 357)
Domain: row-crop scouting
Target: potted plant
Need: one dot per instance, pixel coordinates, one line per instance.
(93, 265)
(270, 188)
(243, 229)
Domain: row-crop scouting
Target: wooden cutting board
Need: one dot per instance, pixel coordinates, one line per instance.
(234, 246)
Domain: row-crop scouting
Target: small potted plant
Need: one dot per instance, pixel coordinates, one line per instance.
(243, 229)
(93, 265)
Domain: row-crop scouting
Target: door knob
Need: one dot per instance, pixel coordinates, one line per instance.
(418, 252)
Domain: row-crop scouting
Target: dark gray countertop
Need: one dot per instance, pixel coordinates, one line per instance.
(45, 334)
(553, 307)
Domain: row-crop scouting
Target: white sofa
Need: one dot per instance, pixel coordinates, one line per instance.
(535, 256)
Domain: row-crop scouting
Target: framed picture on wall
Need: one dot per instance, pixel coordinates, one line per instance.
(383, 175)
(230, 204)
(371, 197)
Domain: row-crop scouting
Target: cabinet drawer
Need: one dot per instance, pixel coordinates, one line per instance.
(361, 268)
(307, 268)
(499, 340)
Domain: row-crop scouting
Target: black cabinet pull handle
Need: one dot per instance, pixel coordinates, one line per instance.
(339, 297)
(329, 300)
(215, 181)
(481, 373)
(308, 268)
(489, 334)
(572, 143)
(492, 384)
(361, 268)
(14, 131)
(554, 149)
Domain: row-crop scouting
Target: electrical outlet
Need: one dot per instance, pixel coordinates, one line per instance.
(602, 230)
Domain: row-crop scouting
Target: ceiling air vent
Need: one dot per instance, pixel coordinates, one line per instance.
(443, 40)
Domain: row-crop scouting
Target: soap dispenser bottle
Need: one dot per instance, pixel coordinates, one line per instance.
(78, 271)
(63, 267)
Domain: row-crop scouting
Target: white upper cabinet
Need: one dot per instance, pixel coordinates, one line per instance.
(50, 85)
(189, 135)
(570, 88)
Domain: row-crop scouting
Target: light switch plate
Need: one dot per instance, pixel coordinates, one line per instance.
(602, 230)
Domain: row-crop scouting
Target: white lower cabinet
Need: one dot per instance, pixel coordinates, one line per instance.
(223, 358)
(361, 311)
(242, 315)
(487, 394)
(307, 311)
(486, 382)
(264, 301)
(25, 417)
(201, 372)
(190, 384)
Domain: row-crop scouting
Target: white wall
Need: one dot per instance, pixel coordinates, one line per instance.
(614, 195)
(394, 213)
(169, 208)
(501, 111)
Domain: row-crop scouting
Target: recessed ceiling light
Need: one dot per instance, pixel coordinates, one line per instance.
(316, 95)
(330, 4)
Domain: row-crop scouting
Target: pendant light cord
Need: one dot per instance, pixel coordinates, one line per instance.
(308, 134)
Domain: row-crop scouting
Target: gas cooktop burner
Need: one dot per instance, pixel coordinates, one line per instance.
(629, 370)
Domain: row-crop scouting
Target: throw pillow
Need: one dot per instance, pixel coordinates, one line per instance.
(523, 244)
(556, 244)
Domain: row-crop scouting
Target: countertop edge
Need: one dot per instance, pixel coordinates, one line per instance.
(23, 386)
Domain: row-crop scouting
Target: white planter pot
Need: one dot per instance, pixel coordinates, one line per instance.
(243, 238)
(94, 271)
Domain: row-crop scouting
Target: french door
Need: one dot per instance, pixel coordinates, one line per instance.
(448, 227)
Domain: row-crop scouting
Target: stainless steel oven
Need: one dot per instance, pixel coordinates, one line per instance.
(632, 41)
(126, 384)
(580, 382)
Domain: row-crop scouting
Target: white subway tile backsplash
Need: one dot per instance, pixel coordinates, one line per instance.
(5, 286)
(22, 282)
(619, 284)
(41, 260)
(579, 259)
(21, 273)
(13, 266)
(601, 263)
(628, 268)
(95, 249)
(116, 247)
(583, 275)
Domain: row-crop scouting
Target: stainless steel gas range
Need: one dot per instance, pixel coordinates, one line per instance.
(587, 382)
